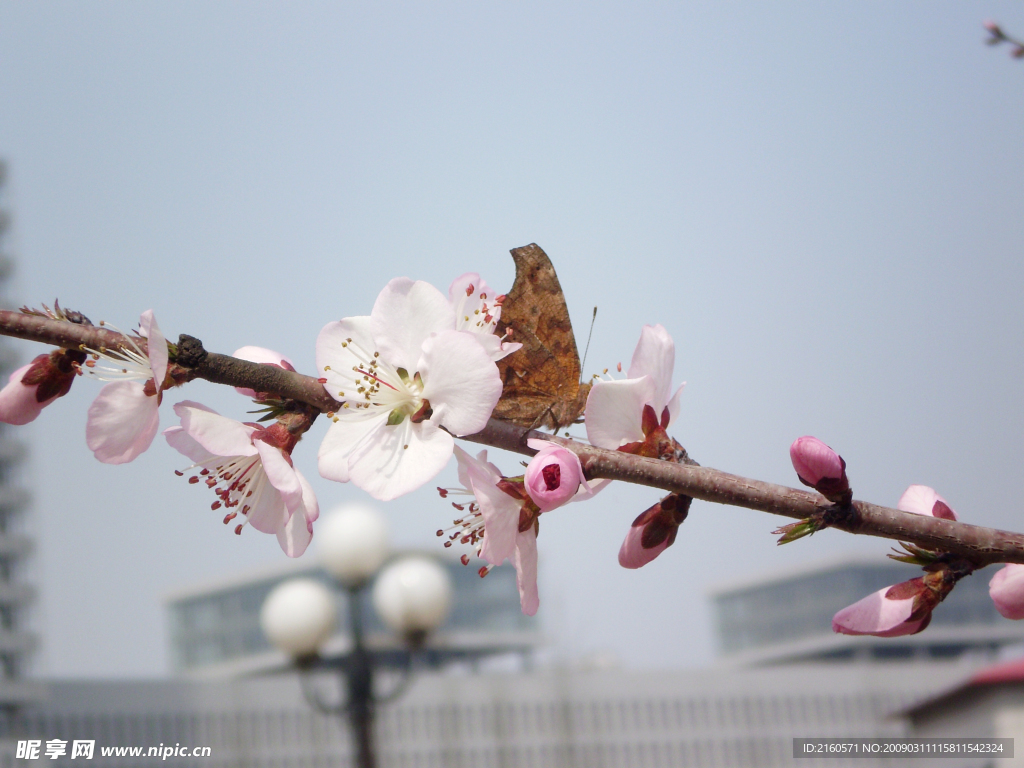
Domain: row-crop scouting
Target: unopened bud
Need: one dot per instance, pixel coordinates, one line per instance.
(654, 531)
(821, 468)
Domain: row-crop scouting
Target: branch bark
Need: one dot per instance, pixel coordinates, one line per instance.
(981, 546)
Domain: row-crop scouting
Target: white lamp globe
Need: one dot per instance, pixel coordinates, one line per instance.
(298, 616)
(413, 596)
(352, 543)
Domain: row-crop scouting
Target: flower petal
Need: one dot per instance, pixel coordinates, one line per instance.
(397, 459)
(122, 422)
(877, 615)
(1007, 591)
(461, 382)
(267, 511)
(501, 521)
(632, 553)
(280, 473)
(18, 404)
(614, 408)
(922, 500)
(655, 356)
(335, 358)
(526, 571)
(157, 346)
(342, 438)
(405, 314)
(296, 535)
(218, 434)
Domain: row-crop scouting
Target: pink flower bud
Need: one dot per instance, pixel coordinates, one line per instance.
(34, 386)
(18, 404)
(1007, 591)
(553, 476)
(820, 467)
(654, 531)
(902, 609)
(922, 500)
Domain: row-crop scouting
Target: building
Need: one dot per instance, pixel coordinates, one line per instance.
(215, 629)
(787, 617)
(17, 642)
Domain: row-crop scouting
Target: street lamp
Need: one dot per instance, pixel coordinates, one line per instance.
(412, 595)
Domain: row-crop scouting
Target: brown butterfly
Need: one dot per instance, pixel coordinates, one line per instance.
(542, 380)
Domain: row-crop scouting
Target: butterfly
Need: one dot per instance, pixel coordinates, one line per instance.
(541, 381)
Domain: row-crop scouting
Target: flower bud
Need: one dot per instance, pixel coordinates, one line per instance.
(902, 609)
(34, 386)
(821, 468)
(922, 500)
(553, 476)
(1007, 591)
(654, 531)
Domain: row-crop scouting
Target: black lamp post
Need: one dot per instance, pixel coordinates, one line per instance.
(412, 596)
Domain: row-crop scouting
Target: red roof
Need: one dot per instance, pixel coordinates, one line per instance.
(1007, 672)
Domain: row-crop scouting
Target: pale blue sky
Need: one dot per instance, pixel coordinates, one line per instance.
(820, 201)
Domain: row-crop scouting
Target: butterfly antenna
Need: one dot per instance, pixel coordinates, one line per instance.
(593, 318)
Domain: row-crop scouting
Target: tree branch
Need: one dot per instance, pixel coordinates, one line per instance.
(981, 546)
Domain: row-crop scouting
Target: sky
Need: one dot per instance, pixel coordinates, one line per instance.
(821, 202)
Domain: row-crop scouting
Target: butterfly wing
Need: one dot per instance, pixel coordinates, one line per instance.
(540, 380)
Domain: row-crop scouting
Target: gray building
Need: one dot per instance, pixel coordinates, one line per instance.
(17, 642)
(215, 630)
(787, 617)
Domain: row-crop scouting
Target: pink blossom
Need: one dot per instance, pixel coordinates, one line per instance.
(124, 418)
(34, 386)
(264, 356)
(615, 409)
(821, 468)
(554, 475)
(498, 523)
(902, 609)
(477, 310)
(654, 531)
(922, 500)
(1007, 591)
(250, 470)
(406, 382)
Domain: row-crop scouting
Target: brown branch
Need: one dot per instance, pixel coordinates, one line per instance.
(979, 545)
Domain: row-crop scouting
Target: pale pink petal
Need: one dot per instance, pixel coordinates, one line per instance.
(1007, 591)
(342, 439)
(267, 512)
(673, 405)
(335, 356)
(157, 346)
(655, 356)
(478, 470)
(280, 473)
(180, 441)
(405, 314)
(122, 422)
(264, 356)
(614, 409)
(632, 553)
(296, 535)
(18, 404)
(553, 476)
(922, 500)
(457, 291)
(501, 521)
(218, 434)
(400, 458)
(525, 563)
(877, 615)
(461, 382)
